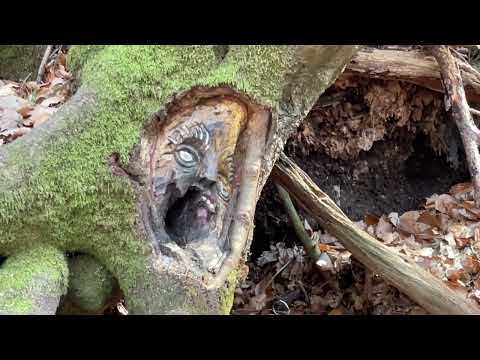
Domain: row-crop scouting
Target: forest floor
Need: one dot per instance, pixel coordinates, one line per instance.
(384, 151)
(389, 156)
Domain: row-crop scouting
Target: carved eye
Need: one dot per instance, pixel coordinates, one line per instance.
(223, 190)
(186, 156)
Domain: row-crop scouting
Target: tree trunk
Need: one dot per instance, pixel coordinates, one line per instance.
(155, 165)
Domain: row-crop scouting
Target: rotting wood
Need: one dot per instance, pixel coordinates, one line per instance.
(414, 66)
(422, 287)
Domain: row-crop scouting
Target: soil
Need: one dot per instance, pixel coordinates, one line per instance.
(395, 175)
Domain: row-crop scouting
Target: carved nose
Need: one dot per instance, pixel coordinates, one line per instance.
(210, 169)
(210, 172)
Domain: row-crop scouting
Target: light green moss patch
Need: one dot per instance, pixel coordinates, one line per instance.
(90, 284)
(227, 293)
(37, 271)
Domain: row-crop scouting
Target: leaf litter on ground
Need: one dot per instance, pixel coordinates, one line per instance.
(443, 238)
(27, 105)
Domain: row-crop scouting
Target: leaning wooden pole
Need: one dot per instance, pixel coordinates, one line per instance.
(456, 101)
(422, 287)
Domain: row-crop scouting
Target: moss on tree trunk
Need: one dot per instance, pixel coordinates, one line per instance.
(56, 185)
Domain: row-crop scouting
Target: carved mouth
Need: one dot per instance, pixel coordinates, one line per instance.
(192, 217)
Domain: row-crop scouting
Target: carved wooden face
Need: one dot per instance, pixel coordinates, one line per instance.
(193, 179)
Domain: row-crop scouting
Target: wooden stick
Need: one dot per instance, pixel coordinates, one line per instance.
(310, 246)
(456, 101)
(41, 69)
(412, 66)
(422, 287)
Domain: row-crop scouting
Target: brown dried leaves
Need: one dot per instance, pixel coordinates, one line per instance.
(443, 238)
(368, 111)
(27, 105)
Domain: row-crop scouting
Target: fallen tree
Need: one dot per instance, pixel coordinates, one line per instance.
(153, 168)
(414, 66)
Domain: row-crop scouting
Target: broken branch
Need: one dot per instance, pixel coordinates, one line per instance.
(422, 287)
(412, 66)
(456, 101)
(43, 64)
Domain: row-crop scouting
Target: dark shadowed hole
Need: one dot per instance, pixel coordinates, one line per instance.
(173, 218)
(2, 259)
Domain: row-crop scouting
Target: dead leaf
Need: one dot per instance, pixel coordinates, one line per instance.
(383, 228)
(40, 114)
(471, 265)
(462, 191)
(394, 218)
(12, 134)
(338, 311)
(324, 263)
(25, 110)
(371, 219)
(443, 203)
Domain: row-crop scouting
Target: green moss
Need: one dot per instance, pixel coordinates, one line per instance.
(70, 198)
(78, 55)
(73, 200)
(40, 270)
(227, 293)
(90, 284)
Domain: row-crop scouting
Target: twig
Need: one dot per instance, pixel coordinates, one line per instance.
(309, 244)
(456, 101)
(278, 273)
(41, 69)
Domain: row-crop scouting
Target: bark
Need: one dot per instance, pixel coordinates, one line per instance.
(87, 180)
(422, 287)
(414, 66)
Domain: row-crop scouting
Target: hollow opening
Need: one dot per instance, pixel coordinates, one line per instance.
(187, 216)
(395, 175)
